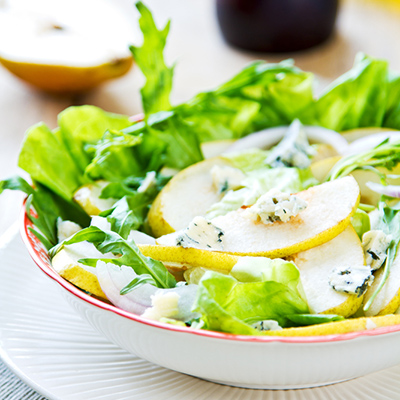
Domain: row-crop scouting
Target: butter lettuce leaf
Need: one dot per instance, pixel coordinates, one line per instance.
(257, 183)
(356, 99)
(228, 305)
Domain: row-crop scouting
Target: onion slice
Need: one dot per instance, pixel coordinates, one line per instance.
(112, 278)
(269, 137)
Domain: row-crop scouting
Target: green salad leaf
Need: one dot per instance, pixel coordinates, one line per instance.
(48, 207)
(129, 253)
(232, 306)
(150, 58)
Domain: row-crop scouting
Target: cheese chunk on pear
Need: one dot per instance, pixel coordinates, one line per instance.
(317, 264)
(330, 208)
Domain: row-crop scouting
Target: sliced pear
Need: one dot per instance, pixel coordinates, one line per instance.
(321, 168)
(339, 327)
(388, 299)
(317, 264)
(330, 208)
(65, 263)
(189, 193)
(88, 197)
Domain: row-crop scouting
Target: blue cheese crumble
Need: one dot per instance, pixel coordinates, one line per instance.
(375, 244)
(351, 280)
(226, 178)
(293, 150)
(201, 234)
(267, 325)
(275, 206)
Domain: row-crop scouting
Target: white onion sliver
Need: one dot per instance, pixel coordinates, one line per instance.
(369, 142)
(389, 190)
(269, 137)
(112, 278)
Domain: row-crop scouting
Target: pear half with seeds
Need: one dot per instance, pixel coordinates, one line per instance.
(330, 208)
(316, 266)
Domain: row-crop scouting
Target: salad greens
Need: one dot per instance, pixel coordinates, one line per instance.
(152, 270)
(91, 144)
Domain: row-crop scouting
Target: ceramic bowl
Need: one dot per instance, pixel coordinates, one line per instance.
(244, 361)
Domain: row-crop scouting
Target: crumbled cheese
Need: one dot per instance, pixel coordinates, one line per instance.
(148, 182)
(369, 324)
(275, 206)
(226, 178)
(201, 234)
(352, 280)
(163, 305)
(66, 229)
(267, 325)
(293, 150)
(375, 244)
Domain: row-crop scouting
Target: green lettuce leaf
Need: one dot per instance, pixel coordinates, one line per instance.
(356, 99)
(82, 125)
(257, 183)
(150, 59)
(230, 306)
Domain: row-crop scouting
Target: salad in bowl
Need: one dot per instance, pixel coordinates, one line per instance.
(254, 222)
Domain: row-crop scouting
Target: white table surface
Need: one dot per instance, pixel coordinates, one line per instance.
(204, 60)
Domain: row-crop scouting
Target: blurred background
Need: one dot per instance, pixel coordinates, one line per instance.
(203, 59)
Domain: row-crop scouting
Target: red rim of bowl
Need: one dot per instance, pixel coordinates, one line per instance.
(37, 253)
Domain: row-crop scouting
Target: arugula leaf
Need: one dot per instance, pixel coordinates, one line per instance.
(150, 59)
(386, 154)
(48, 206)
(113, 158)
(130, 254)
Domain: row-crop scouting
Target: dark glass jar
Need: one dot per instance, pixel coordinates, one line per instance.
(276, 25)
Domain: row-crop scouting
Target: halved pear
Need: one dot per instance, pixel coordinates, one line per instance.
(330, 208)
(321, 168)
(339, 327)
(189, 193)
(317, 264)
(388, 299)
(65, 262)
(60, 48)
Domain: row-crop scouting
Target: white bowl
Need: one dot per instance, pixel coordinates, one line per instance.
(244, 361)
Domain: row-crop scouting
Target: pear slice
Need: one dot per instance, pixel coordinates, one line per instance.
(88, 197)
(388, 299)
(189, 193)
(339, 327)
(317, 264)
(65, 263)
(330, 208)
